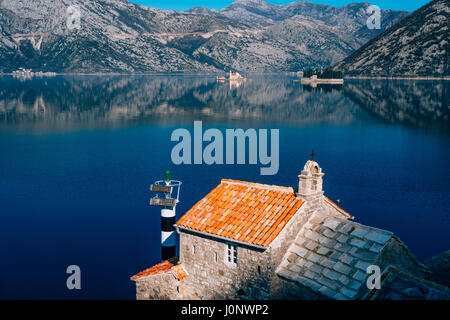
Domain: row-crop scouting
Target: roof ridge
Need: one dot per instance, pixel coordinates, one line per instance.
(363, 226)
(179, 271)
(333, 204)
(259, 185)
(159, 268)
(412, 256)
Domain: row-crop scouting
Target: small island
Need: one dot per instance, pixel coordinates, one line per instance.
(28, 73)
(327, 76)
(232, 76)
(235, 79)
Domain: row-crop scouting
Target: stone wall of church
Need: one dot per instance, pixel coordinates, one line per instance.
(159, 287)
(210, 276)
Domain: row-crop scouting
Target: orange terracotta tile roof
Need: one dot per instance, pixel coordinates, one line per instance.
(243, 211)
(179, 272)
(163, 267)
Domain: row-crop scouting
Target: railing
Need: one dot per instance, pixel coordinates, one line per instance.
(164, 190)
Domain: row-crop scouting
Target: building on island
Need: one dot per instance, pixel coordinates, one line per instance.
(235, 79)
(235, 76)
(314, 80)
(247, 240)
(28, 73)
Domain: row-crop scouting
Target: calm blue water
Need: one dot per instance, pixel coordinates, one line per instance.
(78, 155)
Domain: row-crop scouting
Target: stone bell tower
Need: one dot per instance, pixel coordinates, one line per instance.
(310, 181)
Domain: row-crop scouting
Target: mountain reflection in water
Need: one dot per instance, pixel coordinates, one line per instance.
(66, 102)
(424, 104)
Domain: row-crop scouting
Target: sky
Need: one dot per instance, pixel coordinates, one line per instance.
(407, 5)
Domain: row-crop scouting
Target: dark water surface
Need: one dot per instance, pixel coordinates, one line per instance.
(79, 153)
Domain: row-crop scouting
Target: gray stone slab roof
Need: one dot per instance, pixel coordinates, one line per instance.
(331, 255)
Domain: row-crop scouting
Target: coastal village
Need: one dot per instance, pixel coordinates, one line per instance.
(246, 240)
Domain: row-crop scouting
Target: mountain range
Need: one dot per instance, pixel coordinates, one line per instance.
(118, 36)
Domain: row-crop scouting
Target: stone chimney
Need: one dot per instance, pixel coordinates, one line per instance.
(310, 181)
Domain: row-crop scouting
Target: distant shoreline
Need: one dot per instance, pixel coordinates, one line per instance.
(248, 73)
(397, 78)
(120, 74)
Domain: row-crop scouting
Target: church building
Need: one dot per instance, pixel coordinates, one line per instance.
(247, 240)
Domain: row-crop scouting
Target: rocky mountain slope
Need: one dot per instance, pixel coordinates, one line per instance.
(351, 18)
(117, 36)
(419, 45)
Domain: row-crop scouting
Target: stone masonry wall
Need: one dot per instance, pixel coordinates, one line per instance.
(159, 287)
(211, 277)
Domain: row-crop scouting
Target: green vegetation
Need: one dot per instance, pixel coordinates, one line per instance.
(328, 73)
